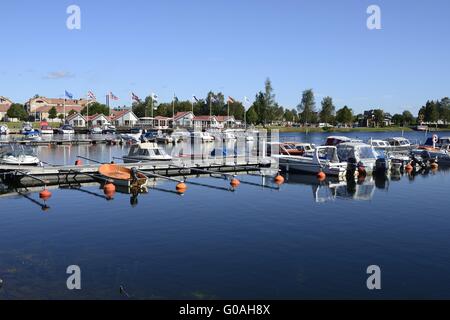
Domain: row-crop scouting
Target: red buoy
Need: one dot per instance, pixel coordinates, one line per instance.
(235, 183)
(45, 194)
(279, 179)
(181, 187)
(321, 176)
(78, 162)
(109, 190)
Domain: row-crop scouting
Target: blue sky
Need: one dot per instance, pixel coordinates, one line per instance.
(193, 46)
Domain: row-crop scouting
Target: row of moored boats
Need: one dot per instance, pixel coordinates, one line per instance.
(341, 156)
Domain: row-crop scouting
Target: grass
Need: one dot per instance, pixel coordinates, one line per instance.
(36, 125)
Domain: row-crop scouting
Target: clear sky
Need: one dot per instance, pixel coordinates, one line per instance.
(193, 46)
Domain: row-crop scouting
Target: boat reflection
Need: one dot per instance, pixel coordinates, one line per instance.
(361, 189)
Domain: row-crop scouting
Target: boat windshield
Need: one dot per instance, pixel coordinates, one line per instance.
(366, 153)
(16, 150)
(329, 154)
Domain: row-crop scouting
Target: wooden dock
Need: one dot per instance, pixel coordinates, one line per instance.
(54, 175)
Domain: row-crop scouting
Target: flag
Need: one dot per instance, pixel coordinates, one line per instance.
(154, 97)
(195, 99)
(175, 97)
(214, 99)
(135, 98)
(68, 94)
(230, 100)
(112, 96)
(246, 100)
(91, 95)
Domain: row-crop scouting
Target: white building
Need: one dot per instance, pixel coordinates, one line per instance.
(183, 119)
(76, 120)
(123, 118)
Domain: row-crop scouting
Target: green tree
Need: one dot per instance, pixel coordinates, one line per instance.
(378, 117)
(307, 107)
(408, 117)
(96, 108)
(52, 113)
(288, 115)
(252, 116)
(71, 112)
(344, 115)
(328, 110)
(17, 111)
(398, 119)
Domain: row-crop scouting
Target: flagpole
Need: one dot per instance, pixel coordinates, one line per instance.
(87, 110)
(64, 107)
(228, 112)
(173, 108)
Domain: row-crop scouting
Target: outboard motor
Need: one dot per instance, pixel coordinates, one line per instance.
(381, 165)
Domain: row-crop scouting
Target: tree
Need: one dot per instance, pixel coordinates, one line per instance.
(288, 115)
(307, 107)
(252, 116)
(344, 115)
(52, 113)
(408, 118)
(378, 115)
(328, 110)
(71, 112)
(17, 111)
(96, 108)
(398, 119)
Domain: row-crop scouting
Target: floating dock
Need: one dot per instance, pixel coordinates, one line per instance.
(30, 176)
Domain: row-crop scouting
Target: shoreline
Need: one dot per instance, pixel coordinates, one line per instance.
(348, 130)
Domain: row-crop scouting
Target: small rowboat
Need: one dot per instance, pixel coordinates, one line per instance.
(122, 176)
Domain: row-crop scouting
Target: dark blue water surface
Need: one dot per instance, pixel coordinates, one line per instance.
(304, 240)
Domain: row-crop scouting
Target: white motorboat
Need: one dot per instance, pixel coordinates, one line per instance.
(66, 129)
(4, 130)
(96, 130)
(164, 138)
(324, 159)
(47, 130)
(336, 140)
(181, 135)
(203, 136)
(378, 144)
(134, 136)
(15, 154)
(400, 144)
(362, 157)
(146, 152)
(33, 137)
(27, 129)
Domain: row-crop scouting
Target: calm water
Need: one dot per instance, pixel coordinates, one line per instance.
(304, 240)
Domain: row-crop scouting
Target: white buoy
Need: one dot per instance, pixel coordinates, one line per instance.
(1, 283)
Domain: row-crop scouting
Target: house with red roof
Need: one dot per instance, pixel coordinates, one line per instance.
(5, 103)
(183, 119)
(123, 118)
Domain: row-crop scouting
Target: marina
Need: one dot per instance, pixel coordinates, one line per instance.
(159, 227)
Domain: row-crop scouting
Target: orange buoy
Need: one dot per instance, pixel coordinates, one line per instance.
(110, 190)
(181, 187)
(409, 167)
(321, 176)
(235, 182)
(279, 179)
(45, 194)
(434, 165)
(78, 162)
